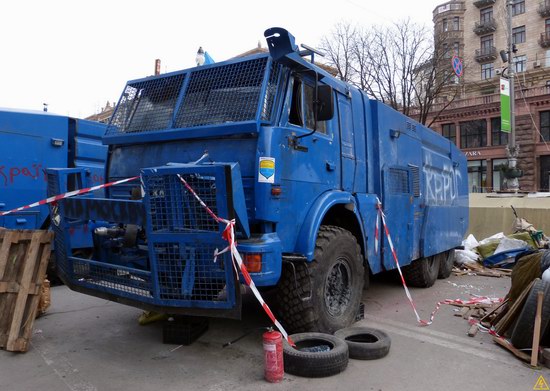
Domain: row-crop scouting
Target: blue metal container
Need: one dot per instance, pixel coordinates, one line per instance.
(30, 142)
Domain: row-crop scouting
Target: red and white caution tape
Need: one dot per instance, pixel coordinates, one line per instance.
(394, 254)
(377, 227)
(49, 200)
(473, 301)
(229, 235)
(483, 329)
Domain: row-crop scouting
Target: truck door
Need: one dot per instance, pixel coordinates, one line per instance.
(347, 149)
(310, 166)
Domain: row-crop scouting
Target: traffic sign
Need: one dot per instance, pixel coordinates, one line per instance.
(457, 65)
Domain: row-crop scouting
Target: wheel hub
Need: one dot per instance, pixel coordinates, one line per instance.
(338, 288)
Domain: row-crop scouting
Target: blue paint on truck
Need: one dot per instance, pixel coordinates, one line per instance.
(297, 157)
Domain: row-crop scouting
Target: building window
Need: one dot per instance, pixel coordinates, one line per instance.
(446, 51)
(520, 63)
(477, 176)
(486, 43)
(487, 71)
(518, 34)
(485, 15)
(445, 25)
(544, 173)
(545, 126)
(497, 136)
(473, 134)
(456, 48)
(449, 132)
(518, 7)
(498, 176)
(547, 26)
(456, 23)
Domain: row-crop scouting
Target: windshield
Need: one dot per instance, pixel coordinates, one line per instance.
(213, 95)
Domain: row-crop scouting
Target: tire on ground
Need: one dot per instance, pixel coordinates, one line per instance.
(522, 334)
(323, 295)
(446, 263)
(365, 343)
(315, 364)
(422, 272)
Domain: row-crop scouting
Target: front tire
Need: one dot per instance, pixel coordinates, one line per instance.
(323, 295)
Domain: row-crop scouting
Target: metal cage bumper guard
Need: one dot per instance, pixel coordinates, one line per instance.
(179, 274)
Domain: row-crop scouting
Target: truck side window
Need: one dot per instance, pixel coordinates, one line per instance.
(301, 107)
(309, 94)
(295, 116)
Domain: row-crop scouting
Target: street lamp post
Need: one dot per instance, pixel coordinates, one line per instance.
(512, 149)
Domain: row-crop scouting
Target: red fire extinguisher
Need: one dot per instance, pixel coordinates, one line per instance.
(273, 353)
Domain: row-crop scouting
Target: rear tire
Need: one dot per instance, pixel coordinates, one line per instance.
(422, 272)
(323, 295)
(446, 263)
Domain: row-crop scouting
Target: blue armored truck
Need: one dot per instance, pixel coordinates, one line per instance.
(298, 158)
(30, 142)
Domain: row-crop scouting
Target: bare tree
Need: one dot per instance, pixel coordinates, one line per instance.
(436, 85)
(399, 65)
(339, 49)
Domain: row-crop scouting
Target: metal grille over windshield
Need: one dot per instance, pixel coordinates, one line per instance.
(147, 105)
(213, 95)
(224, 94)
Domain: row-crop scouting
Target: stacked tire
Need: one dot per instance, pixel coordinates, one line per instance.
(522, 334)
(322, 355)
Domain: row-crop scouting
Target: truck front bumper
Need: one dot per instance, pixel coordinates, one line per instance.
(173, 270)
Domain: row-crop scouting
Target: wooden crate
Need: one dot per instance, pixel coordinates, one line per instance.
(24, 256)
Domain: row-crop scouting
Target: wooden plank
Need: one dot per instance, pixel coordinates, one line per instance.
(473, 330)
(26, 254)
(20, 303)
(508, 345)
(513, 312)
(40, 277)
(5, 251)
(495, 309)
(536, 333)
(13, 287)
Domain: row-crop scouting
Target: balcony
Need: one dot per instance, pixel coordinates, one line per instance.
(453, 5)
(544, 9)
(485, 26)
(484, 3)
(544, 40)
(486, 54)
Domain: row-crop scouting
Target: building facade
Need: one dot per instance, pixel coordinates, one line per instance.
(476, 32)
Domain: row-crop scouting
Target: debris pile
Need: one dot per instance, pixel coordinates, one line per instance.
(496, 255)
(521, 321)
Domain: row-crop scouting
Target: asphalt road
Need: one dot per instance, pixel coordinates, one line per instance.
(86, 344)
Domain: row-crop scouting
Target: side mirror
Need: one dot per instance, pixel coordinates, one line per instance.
(325, 103)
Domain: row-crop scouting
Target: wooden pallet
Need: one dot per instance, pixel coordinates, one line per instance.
(24, 258)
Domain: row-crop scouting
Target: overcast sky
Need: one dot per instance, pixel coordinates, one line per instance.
(77, 54)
